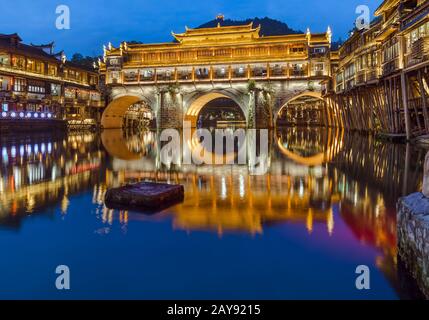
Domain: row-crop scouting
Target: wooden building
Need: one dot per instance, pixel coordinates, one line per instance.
(381, 83)
(37, 84)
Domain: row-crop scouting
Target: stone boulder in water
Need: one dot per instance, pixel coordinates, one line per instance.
(145, 196)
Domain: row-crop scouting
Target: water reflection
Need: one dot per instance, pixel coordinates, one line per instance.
(39, 172)
(315, 178)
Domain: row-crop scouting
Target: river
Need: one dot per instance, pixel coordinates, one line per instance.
(326, 206)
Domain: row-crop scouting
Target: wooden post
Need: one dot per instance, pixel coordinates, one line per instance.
(405, 105)
(424, 101)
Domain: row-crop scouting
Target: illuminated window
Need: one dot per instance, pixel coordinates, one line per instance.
(4, 60)
(319, 67)
(55, 89)
(36, 87)
(19, 85)
(52, 70)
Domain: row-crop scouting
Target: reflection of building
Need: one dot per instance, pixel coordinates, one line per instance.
(43, 172)
(241, 203)
(36, 84)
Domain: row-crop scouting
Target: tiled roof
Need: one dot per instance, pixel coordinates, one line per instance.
(12, 43)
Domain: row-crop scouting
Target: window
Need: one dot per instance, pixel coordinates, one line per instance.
(5, 83)
(18, 62)
(319, 66)
(391, 51)
(350, 71)
(19, 85)
(52, 70)
(83, 95)
(297, 50)
(32, 107)
(147, 73)
(36, 87)
(319, 50)
(297, 67)
(4, 59)
(93, 80)
(70, 93)
(95, 96)
(39, 67)
(30, 65)
(55, 89)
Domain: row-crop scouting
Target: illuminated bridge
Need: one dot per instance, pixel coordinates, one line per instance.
(253, 80)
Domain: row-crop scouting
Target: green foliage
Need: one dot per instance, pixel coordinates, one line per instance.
(251, 86)
(87, 61)
(269, 27)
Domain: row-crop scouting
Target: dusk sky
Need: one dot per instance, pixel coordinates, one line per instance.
(96, 22)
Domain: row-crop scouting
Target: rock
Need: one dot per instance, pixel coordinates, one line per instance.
(426, 177)
(146, 196)
(413, 237)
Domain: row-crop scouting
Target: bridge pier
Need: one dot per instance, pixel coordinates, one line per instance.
(170, 110)
(263, 106)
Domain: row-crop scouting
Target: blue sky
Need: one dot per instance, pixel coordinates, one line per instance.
(96, 22)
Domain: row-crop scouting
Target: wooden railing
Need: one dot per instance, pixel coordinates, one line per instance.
(419, 52)
(391, 66)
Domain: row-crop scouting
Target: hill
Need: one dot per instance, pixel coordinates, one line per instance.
(269, 27)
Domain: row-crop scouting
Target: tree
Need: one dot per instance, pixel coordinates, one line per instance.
(87, 61)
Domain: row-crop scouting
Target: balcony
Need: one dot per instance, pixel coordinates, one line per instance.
(239, 73)
(131, 77)
(165, 76)
(350, 84)
(318, 73)
(202, 74)
(221, 74)
(419, 52)
(149, 76)
(361, 77)
(391, 67)
(259, 73)
(184, 75)
(298, 73)
(279, 72)
(339, 88)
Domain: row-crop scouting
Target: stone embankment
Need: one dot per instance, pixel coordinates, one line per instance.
(413, 232)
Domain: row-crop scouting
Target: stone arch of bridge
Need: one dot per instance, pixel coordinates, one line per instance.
(197, 103)
(306, 94)
(115, 111)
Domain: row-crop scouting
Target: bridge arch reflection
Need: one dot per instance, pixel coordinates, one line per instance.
(125, 146)
(306, 108)
(330, 144)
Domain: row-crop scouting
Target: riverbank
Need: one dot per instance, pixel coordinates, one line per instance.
(31, 125)
(413, 237)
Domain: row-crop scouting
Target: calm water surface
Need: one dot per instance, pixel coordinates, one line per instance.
(326, 206)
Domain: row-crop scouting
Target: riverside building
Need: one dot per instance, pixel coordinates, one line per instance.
(42, 87)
